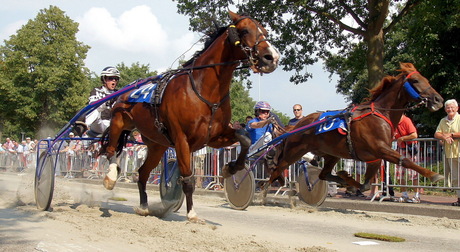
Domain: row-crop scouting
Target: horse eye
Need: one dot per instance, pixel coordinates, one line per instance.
(243, 32)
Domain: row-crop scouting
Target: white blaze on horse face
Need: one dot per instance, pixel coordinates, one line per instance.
(274, 52)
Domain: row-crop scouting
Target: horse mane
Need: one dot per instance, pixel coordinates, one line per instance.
(406, 68)
(209, 40)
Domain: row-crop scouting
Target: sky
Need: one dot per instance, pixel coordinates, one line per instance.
(152, 33)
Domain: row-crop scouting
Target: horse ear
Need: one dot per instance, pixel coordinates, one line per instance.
(233, 16)
(407, 67)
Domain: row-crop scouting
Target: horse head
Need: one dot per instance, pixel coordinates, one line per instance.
(419, 89)
(251, 36)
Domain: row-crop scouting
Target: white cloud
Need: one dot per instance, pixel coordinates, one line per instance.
(136, 30)
(11, 29)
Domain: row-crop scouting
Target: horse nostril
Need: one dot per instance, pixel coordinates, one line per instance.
(438, 99)
(268, 57)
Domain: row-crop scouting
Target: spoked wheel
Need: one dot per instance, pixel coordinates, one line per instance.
(317, 193)
(170, 189)
(44, 181)
(238, 191)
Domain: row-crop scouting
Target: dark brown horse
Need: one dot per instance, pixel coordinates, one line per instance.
(195, 109)
(370, 130)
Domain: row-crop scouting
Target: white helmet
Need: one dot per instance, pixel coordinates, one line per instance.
(110, 71)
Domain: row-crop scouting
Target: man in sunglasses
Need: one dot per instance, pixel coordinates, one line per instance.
(297, 108)
(99, 119)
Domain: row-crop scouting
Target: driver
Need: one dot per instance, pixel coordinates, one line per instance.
(99, 119)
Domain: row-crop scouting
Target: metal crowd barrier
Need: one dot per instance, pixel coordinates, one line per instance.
(208, 163)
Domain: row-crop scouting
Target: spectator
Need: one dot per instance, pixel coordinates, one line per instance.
(9, 145)
(236, 125)
(30, 144)
(448, 131)
(297, 109)
(99, 119)
(248, 118)
(406, 131)
(23, 151)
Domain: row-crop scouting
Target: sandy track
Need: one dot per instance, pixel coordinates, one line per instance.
(85, 219)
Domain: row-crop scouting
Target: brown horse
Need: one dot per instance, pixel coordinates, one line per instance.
(370, 130)
(195, 108)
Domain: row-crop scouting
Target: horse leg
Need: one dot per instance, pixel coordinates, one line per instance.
(325, 174)
(154, 155)
(187, 178)
(371, 170)
(234, 166)
(396, 158)
(116, 129)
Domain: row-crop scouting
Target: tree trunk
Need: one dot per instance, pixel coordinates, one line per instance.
(375, 59)
(378, 11)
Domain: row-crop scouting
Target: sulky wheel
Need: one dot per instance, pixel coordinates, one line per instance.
(238, 191)
(44, 181)
(316, 195)
(170, 188)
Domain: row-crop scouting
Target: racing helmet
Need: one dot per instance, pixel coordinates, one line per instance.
(263, 105)
(110, 71)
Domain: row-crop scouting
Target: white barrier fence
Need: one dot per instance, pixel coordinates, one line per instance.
(208, 164)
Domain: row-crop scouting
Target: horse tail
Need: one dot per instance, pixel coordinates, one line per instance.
(122, 140)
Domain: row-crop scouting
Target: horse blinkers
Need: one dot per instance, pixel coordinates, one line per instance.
(433, 98)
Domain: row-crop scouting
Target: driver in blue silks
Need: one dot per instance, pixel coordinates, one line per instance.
(261, 128)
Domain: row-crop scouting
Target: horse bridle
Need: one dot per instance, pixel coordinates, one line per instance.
(412, 91)
(252, 53)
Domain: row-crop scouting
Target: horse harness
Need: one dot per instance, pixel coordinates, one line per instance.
(348, 116)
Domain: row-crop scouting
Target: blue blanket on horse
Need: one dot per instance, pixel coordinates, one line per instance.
(335, 122)
(143, 94)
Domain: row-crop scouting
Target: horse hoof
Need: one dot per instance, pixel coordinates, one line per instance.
(108, 183)
(142, 211)
(111, 177)
(435, 178)
(365, 187)
(196, 220)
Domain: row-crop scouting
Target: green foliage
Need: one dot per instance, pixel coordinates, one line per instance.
(133, 73)
(243, 105)
(428, 38)
(43, 74)
(425, 37)
(307, 30)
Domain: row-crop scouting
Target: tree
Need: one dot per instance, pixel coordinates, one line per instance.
(307, 30)
(428, 37)
(133, 73)
(43, 74)
(425, 37)
(243, 105)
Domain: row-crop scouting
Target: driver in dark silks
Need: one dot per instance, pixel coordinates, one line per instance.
(98, 120)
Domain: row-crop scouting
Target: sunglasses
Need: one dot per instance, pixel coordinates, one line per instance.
(110, 78)
(297, 109)
(264, 111)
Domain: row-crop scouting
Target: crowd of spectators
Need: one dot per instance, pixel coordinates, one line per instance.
(17, 155)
